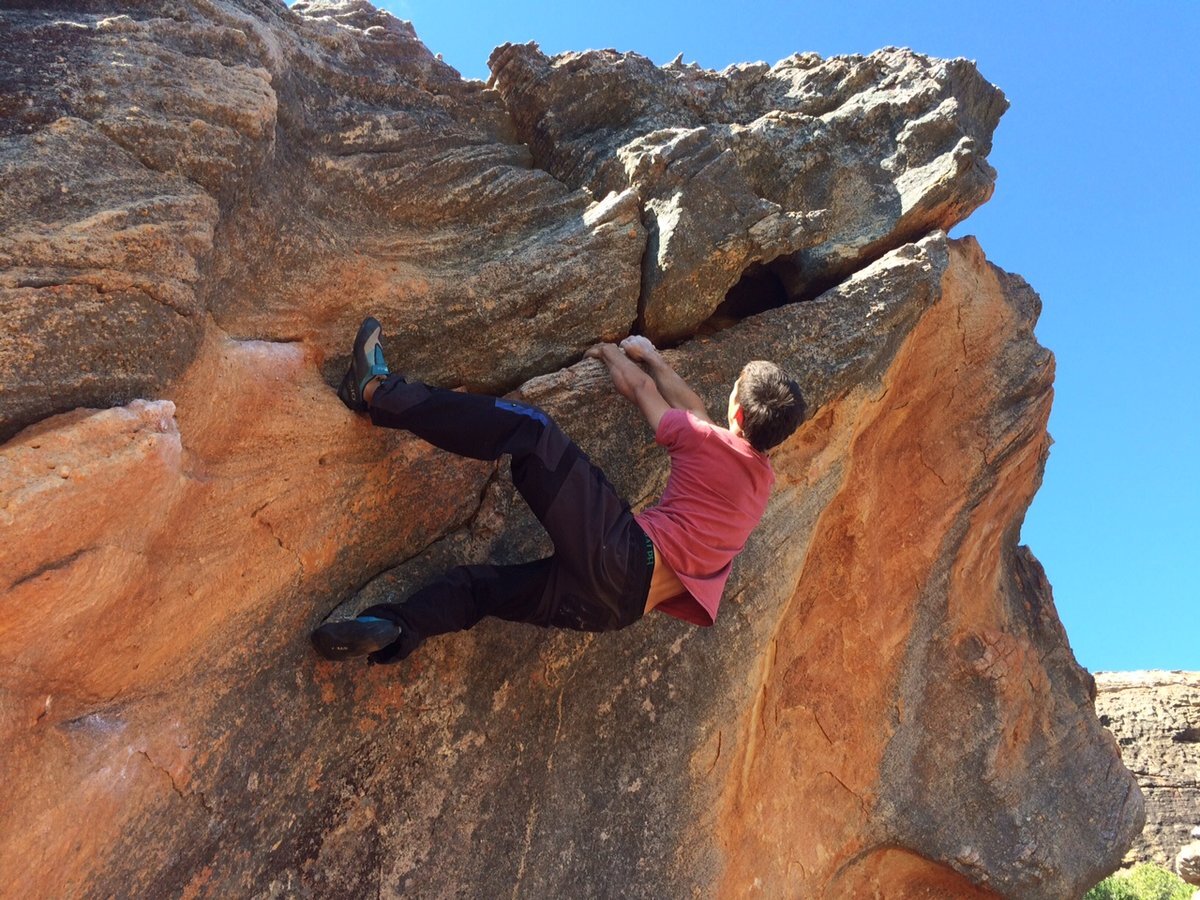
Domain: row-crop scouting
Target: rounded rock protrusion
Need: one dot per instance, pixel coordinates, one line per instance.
(1187, 863)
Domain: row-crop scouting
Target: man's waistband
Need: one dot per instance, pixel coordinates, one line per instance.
(649, 550)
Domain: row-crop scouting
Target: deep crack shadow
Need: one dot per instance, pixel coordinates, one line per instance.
(762, 287)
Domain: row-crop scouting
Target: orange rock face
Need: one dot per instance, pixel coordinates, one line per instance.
(914, 614)
(887, 705)
(146, 538)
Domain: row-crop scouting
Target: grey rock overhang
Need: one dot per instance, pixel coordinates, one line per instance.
(340, 163)
(818, 166)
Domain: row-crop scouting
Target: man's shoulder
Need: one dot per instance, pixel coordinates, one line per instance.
(675, 425)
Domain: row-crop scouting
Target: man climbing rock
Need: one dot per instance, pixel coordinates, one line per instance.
(609, 566)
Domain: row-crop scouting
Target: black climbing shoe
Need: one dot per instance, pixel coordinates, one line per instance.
(366, 362)
(348, 638)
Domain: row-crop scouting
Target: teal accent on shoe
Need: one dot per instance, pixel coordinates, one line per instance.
(369, 362)
(378, 367)
(366, 363)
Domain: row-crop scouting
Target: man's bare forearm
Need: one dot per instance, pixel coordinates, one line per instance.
(631, 382)
(626, 376)
(673, 388)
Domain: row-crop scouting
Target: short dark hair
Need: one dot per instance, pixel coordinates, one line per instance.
(772, 405)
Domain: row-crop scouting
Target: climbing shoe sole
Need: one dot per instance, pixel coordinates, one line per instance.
(350, 638)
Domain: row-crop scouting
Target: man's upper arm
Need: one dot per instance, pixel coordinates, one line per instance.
(650, 402)
(698, 409)
(695, 406)
(677, 392)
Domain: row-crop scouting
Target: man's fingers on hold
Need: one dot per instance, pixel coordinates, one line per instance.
(596, 351)
(637, 345)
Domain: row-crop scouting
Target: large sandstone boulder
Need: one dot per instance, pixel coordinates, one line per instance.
(200, 201)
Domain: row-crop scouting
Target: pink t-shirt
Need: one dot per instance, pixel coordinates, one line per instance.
(716, 493)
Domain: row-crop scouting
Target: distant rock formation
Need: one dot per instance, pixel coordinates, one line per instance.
(1156, 719)
(198, 203)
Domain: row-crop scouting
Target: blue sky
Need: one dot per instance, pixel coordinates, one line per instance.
(1096, 206)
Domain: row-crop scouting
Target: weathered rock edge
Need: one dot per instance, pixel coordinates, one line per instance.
(225, 188)
(801, 172)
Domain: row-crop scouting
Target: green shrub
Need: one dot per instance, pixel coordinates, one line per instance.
(1143, 882)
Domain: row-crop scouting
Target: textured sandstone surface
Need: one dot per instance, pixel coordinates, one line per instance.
(802, 170)
(1155, 717)
(199, 201)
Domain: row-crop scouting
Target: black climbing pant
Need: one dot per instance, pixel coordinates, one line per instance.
(599, 574)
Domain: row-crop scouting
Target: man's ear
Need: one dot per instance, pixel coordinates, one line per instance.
(740, 416)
